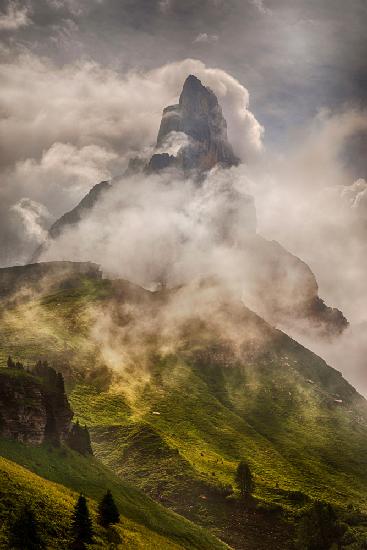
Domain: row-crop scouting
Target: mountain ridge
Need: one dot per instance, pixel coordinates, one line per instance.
(284, 288)
(176, 423)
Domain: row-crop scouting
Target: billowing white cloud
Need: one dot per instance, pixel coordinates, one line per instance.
(35, 218)
(63, 129)
(86, 104)
(161, 227)
(173, 143)
(62, 176)
(356, 193)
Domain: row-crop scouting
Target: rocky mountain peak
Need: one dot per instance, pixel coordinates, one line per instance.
(199, 117)
(196, 99)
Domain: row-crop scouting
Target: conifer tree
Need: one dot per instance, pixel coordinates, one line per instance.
(107, 510)
(244, 480)
(82, 524)
(319, 528)
(24, 532)
(10, 363)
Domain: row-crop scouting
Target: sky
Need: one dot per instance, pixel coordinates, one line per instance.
(84, 82)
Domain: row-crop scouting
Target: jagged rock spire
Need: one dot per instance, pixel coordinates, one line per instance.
(198, 115)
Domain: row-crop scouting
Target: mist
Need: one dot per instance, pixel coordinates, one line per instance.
(78, 104)
(164, 230)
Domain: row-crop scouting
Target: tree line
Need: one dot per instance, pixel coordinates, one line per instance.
(25, 532)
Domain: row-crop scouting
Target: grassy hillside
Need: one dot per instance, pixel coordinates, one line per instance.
(50, 479)
(54, 505)
(176, 423)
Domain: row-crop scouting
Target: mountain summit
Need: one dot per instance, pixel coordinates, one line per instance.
(195, 129)
(197, 117)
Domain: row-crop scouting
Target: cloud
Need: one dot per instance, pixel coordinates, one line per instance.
(305, 196)
(356, 194)
(14, 17)
(162, 228)
(35, 218)
(307, 199)
(63, 129)
(205, 38)
(259, 4)
(76, 8)
(86, 104)
(57, 181)
(63, 174)
(173, 143)
(66, 127)
(164, 6)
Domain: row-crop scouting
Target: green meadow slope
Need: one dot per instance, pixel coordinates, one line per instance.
(49, 480)
(177, 423)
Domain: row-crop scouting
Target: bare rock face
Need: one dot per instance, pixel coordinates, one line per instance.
(58, 410)
(22, 408)
(73, 217)
(199, 116)
(283, 289)
(33, 406)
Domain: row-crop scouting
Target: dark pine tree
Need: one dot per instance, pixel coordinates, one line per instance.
(24, 532)
(319, 528)
(82, 524)
(107, 510)
(10, 363)
(244, 480)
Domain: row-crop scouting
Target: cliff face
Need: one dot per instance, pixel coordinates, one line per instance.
(58, 411)
(198, 116)
(34, 409)
(284, 290)
(23, 414)
(73, 217)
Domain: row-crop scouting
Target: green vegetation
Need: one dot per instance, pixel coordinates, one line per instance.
(243, 479)
(82, 528)
(53, 505)
(178, 423)
(66, 471)
(108, 513)
(24, 532)
(319, 527)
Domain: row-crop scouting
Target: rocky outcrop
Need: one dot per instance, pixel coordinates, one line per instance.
(34, 408)
(58, 410)
(283, 289)
(198, 116)
(23, 414)
(73, 217)
(76, 214)
(44, 277)
(78, 439)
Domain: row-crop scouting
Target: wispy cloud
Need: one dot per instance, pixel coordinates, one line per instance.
(205, 38)
(259, 4)
(14, 17)
(34, 217)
